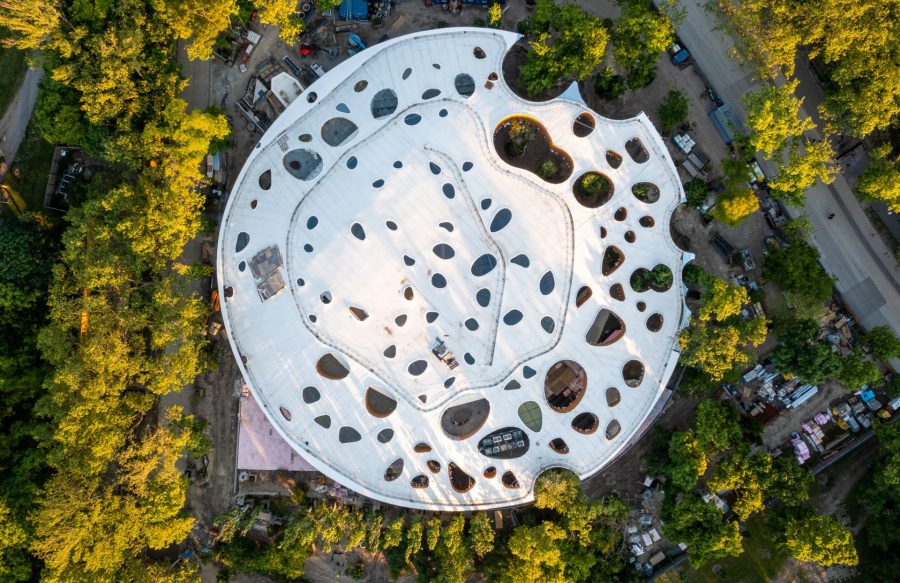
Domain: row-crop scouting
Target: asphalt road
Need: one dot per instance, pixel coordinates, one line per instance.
(15, 120)
(868, 275)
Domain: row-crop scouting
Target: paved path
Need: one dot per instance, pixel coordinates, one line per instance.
(15, 120)
(867, 272)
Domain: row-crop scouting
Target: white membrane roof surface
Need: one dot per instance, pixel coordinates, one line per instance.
(380, 272)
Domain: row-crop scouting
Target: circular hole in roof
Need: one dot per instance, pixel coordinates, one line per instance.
(253, 203)
(509, 480)
(243, 239)
(378, 183)
(300, 282)
(484, 265)
(637, 151)
(398, 164)
(501, 219)
(603, 232)
(342, 107)
(469, 358)
(606, 329)
(613, 159)
(325, 297)
(431, 93)
(391, 225)
(647, 221)
(459, 480)
(512, 317)
(308, 248)
(449, 382)
(265, 180)
(489, 472)
(613, 258)
(242, 266)
(528, 372)
(422, 447)
(384, 103)
(430, 317)
(493, 77)
(285, 412)
(390, 351)
(361, 86)
(446, 225)
(348, 435)
(565, 385)
(464, 84)
(438, 281)
(479, 53)
(613, 429)
(436, 66)
(419, 482)
(617, 292)
(531, 416)
(310, 395)
(303, 164)
(311, 222)
(641, 306)
(548, 324)
(351, 162)
(331, 368)
(583, 295)
(593, 189)
(305, 138)
(521, 260)
(435, 169)
(229, 291)
(472, 324)
(443, 251)
(385, 435)
(378, 404)
(633, 373)
(323, 420)
(655, 322)
(312, 318)
(585, 423)
(409, 261)
(613, 397)
(394, 470)
(417, 367)
(338, 130)
(483, 297)
(448, 190)
(512, 385)
(485, 204)
(621, 214)
(400, 320)
(467, 166)
(584, 124)
(409, 294)
(559, 445)
(547, 283)
(645, 192)
(406, 73)
(443, 113)
(412, 119)
(311, 97)
(630, 237)
(434, 466)
(659, 279)
(464, 420)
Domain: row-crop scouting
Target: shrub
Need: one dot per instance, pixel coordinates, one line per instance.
(673, 111)
(696, 192)
(548, 169)
(608, 85)
(520, 132)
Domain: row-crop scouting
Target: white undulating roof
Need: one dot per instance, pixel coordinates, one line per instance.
(381, 191)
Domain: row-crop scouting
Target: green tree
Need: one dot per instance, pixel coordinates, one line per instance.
(31, 23)
(673, 111)
(856, 370)
(735, 209)
(797, 270)
(687, 461)
(548, 169)
(201, 21)
(15, 563)
(282, 13)
(481, 533)
(414, 534)
(820, 539)
(772, 116)
(700, 526)
(608, 85)
(393, 533)
(802, 353)
(535, 555)
(640, 34)
(748, 477)
(814, 161)
(880, 182)
(495, 15)
(454, 554)
(570, 44)
(716, 427)
(882, 342)
(696, 191)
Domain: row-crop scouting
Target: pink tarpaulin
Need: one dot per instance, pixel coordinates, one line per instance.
(260, 447)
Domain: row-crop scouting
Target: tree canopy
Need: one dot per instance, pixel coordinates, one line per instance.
(772, 117)
(796, 268)
(821, 539)
(802, 353)
(700, 526)
(880, 182)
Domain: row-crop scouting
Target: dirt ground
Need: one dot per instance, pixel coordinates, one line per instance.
(778, 431)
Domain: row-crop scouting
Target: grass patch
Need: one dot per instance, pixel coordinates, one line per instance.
(27, 176)
(13, 65)
(759, 563)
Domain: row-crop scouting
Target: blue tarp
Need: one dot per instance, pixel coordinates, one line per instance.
(354, 10)
(726, 122)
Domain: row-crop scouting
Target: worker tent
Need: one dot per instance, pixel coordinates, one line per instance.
(354, 10)
(726, 122)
